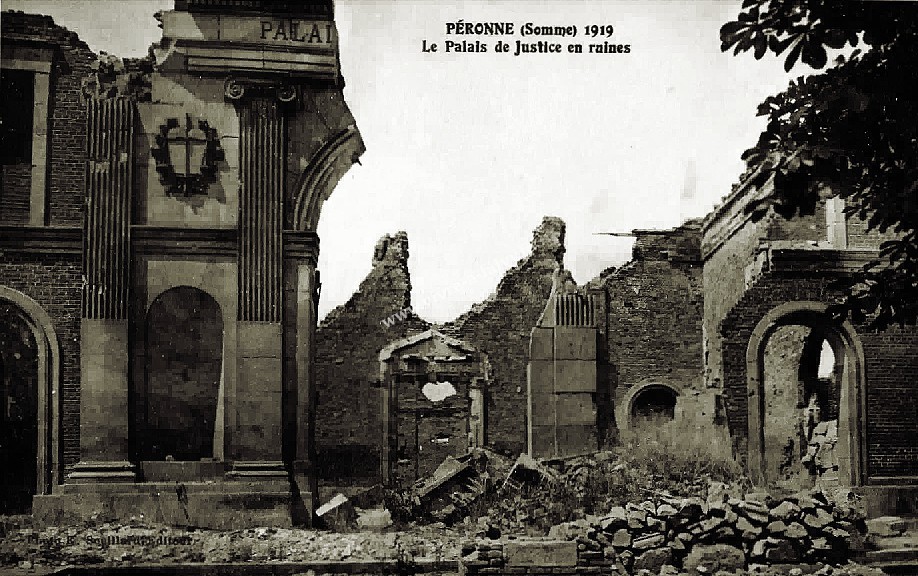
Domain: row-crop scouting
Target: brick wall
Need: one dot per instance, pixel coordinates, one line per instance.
(15, 193)
(500, 326)
(730, 243)
(654, 313)
(891, 368)
(54, 282)
(348, 426)
(348, 341)
(68, 118)
(859, 236)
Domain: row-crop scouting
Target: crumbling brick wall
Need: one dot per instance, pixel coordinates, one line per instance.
(52, 275)
(349, 432)
(730, 246)
(653, 323)
(739, 290)
(500, 326)
(67, 125)
(349, 428)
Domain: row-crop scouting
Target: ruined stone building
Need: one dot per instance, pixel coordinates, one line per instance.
(848, 420)
(159, 347)
(720, 322)
(158, 249)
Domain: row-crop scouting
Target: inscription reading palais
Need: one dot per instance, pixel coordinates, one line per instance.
(291, 30)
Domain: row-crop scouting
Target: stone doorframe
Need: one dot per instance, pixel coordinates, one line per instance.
(849, 362)
(49, 362)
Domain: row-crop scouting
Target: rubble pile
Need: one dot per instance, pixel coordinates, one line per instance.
(722, 533)
(530, 496)
(112, 544)
(820, 458)
(453, 491)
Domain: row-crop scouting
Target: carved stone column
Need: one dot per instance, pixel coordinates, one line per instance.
(257, 440)
(104, 326)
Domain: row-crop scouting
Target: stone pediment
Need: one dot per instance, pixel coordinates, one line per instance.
(430, 345)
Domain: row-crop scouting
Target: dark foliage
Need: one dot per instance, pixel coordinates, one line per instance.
(849, 131)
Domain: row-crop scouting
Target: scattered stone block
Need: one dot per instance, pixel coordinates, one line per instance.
(777, 527)
(337, 514)
(747, 529)
(886, 526)
(713, 558)
(616, 518)
(785, 510)
(653, 560)
(781, 551)
(648, 541)
(795, 531)
(374, 519)
(543, 553)
(820, 519)
(622, 539)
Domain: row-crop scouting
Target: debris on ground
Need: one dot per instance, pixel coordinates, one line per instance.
(337, 514)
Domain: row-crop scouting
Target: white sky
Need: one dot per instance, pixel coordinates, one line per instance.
(467, 152)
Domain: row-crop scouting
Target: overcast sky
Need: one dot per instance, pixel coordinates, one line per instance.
(467, 151)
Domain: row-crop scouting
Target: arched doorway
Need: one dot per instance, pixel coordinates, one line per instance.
(805, 379)
(29, 368)
(183, 376)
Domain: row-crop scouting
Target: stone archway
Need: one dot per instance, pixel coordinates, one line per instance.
(850, 368)
(46, 370)
(655, 399)
(326, 168)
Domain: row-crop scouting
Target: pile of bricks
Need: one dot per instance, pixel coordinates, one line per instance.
(688, 533)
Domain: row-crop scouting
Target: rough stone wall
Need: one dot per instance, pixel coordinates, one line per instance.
(67, 124)
(54, 282)
(348, 422)
(654, 319)
(783, 403)
(500, 327)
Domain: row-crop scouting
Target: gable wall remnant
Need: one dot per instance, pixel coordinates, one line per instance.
(349, 431)
(500, 327)
(653, 324)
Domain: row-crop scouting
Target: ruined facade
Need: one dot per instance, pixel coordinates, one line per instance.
(349, 421)
(720, 322)
(767, 285)
(349, 443)
(435, 388)
(158, 269)
(652, 330)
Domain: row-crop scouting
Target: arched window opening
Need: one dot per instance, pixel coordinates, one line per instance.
(654, 403)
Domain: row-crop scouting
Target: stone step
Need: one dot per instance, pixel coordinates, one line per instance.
(888, 555)
(906, 540)
(886, 526)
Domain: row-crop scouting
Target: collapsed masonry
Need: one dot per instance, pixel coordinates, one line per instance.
(625, 346)
(720, 321)
(351, 436)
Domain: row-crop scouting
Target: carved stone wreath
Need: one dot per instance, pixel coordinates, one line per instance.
(195, 183)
